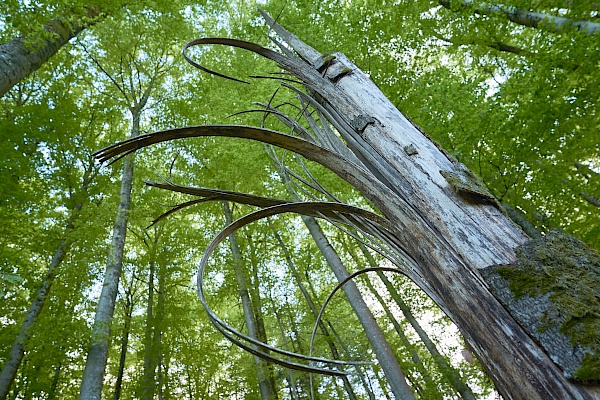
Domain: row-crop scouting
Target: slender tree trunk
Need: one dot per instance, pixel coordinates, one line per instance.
(148, 379)
(93, 374)
(334, 351)
(55, 379)
(299, 347)
(290, 376)
(267, 391)
(381, 347)
(444, 366)
(124, 343)
(447, 370)
(22, 56)
(158, 332)
(17, 351)
(527, 18)
(257, 305)
(366, 384)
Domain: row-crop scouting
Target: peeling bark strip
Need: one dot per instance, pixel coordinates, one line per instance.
(444, 239)
(22, 56)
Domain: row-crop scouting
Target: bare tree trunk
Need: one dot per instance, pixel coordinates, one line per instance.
(299, 347)
(381, 347)
(267, 391)
(124, 341)
(366, 384)
(93, 374)
(257, 305)
(54, 385)
(17, 351)
(527, 18)
(448, 236)
(148, 378)
(22, 56)
(290, 376)
(158, 333)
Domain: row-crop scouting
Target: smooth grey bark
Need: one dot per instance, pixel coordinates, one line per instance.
(267, 391)
(381, 347)
(24, 55)
(290, 376)
(124, 342)
(148, 378)
(527, 18)
(17, 351)
(93, 374)
(334, 351)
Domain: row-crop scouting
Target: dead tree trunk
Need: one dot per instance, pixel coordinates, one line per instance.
(449, 228)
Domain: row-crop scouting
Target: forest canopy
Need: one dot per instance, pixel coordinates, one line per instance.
(98, 265)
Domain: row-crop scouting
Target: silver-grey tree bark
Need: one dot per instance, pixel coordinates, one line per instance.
(137, 97)
(17, 351)
(93, 374)
(24, 55)
(416, 359)
(527, 18)
(267, 391)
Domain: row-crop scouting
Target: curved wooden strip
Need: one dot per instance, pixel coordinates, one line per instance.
(358, 177)
(282, 60)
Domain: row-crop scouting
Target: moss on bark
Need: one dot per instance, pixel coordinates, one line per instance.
(553, 290)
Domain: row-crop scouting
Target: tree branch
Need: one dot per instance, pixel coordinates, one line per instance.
(531, 19)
